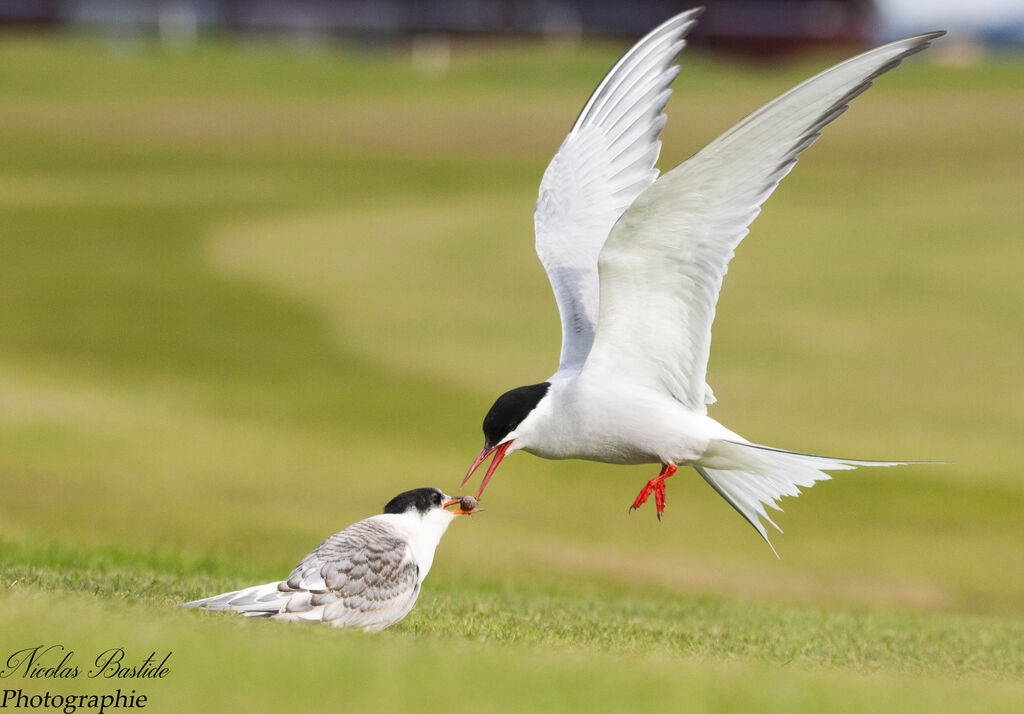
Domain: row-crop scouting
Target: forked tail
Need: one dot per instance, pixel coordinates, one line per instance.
(751, 476)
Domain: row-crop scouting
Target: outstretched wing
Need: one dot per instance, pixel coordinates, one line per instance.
(662, 266)
(605, 162)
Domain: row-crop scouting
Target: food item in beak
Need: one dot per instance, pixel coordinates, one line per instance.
(463, 506)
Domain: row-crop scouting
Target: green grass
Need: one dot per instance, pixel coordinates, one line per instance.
(247, 294)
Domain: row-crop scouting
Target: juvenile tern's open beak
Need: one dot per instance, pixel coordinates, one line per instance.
(499, 454)
(460, 511)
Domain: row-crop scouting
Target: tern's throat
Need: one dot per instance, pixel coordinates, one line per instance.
(423, 533)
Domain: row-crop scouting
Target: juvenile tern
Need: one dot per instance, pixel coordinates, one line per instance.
(367, 576)
(636, 262)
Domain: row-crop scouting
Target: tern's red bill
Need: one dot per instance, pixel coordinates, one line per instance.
(499, 454)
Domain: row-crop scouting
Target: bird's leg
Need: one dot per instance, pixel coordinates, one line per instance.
(656, 486)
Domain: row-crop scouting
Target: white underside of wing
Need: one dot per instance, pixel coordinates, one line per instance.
(663, 264)
(605, 162)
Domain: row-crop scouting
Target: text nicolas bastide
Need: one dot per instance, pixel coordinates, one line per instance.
(25, 670)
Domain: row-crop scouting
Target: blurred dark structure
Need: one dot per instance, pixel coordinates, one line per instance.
(758, 27)
(30, 13)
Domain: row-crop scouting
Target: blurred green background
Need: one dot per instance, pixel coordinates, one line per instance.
(248, 293)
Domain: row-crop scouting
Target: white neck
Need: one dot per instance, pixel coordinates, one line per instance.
(423, 533)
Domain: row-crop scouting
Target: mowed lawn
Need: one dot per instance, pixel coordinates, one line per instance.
(250, 292)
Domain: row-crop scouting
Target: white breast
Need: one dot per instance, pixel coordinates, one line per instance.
(617, 423)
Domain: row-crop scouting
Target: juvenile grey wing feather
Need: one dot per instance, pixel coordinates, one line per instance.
(365, 576)
(259, 600)
(662, 267)
(605, 162)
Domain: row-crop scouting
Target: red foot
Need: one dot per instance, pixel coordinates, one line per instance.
(656, 486)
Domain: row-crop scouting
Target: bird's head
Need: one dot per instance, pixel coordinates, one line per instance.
(503, 426)
(431, 503)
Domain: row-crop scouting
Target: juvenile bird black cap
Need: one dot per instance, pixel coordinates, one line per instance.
(422, 499)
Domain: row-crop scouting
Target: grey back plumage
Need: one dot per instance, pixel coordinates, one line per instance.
(365, 567)
(363, 577)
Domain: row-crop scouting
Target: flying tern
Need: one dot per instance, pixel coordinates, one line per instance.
(636, 262)
(367, 576)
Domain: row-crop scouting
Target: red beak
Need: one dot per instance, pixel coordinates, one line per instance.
(499, 454)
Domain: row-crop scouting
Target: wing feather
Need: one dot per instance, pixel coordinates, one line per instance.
(662, 266)
(605, 162)
(364, 576)
(368, 572)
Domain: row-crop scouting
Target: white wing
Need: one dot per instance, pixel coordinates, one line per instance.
(605, 162)
(662, 266)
